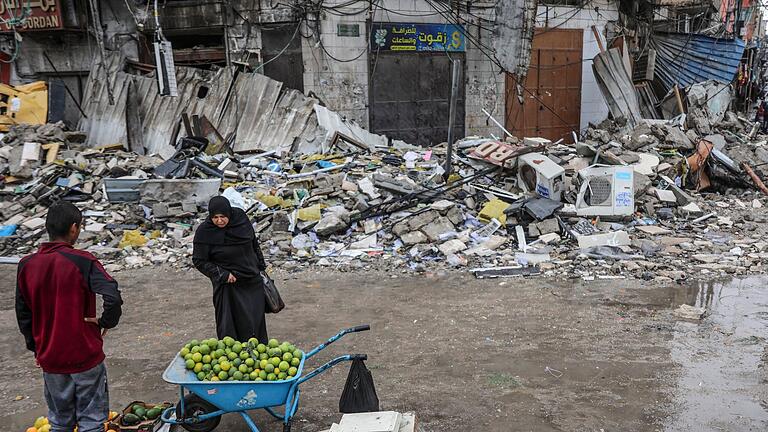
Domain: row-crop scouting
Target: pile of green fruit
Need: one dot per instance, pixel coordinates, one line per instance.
(139, 413)
(231, 360)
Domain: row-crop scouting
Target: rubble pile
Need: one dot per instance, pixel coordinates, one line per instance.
(665, 200)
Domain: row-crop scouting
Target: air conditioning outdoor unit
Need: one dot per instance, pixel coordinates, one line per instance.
(540, 174)
(606, 191)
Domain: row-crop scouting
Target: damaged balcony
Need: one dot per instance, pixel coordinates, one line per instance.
(190, 15)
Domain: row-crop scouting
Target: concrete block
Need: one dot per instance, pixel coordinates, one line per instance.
(451, 247)
(413, 238)
(382, 421)
(421, 219)
(440, 226)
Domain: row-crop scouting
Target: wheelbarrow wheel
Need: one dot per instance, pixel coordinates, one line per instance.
(287, 427)
(195, 406)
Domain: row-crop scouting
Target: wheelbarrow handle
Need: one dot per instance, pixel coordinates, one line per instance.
(359, 356)
(333, 339)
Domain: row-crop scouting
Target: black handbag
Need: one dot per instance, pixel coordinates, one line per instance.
(274, 302)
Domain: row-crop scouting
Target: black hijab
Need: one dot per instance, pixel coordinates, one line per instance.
(239, 229)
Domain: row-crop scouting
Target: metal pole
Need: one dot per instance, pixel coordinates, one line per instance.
(452, 114)
(497, 123)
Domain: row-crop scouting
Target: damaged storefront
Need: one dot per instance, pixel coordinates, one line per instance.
(410, 66)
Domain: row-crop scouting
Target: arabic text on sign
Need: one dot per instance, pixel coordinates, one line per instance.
(18, 5)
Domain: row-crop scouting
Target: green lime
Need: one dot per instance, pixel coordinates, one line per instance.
(221, 345)
(275, 361)
(263, 375)
(190, 364)
(263, 356)
(237, 362)
(216, 369)
(284, 366)
(205, 349)
(193, 342)
(197, 357)
(236, 348)
(261, 348)
(273, 343)
(271, 377)
(244, 355)
(206, 368)
(253, 375)
(269, 368)
(201, 376)
(253, 342)
(263, 364)
(184, 351)
(298, 354)
(231, 355)
(198, 367)
(295, 362)
(228, 341)
(250, 362)
(225, 366)
(207, 359)
(195, 349)
(223, 375)
(243, 368)
(287, 357)
(188, 356)
(212, 344)
(231, 372)
(238, 376)
(282, 376)
(292, 371)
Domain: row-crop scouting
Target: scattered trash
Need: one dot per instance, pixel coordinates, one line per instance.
(632, 197)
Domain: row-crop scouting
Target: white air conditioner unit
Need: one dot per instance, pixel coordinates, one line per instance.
(606, 191)
(540, 174)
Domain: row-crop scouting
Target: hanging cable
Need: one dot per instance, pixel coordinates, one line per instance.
(295, 32)
(493, 59)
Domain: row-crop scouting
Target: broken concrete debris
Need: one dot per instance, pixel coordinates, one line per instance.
(380, 421)
(622, 201)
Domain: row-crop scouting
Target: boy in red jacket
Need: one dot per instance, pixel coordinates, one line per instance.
(56, 310)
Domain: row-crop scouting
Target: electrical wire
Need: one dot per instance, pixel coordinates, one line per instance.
(295, 32)
(498, 63)
(322, 46)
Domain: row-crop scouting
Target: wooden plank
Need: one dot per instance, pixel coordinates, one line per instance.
(678, 99)
(187, 124)
(598, 39)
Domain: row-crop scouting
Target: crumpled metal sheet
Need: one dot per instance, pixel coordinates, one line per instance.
(686, 59)
(264, 114)
(616, 86)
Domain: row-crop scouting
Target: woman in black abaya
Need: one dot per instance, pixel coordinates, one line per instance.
(227, 251)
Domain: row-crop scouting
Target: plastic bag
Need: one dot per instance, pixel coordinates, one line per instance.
(359, 393)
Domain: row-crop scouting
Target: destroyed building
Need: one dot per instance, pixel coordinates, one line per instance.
(593, 139)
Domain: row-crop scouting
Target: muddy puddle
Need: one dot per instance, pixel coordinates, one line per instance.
(721, 384)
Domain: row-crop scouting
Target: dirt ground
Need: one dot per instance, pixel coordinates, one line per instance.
(464, 354)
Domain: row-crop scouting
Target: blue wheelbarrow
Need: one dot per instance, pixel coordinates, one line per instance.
(202, 403)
